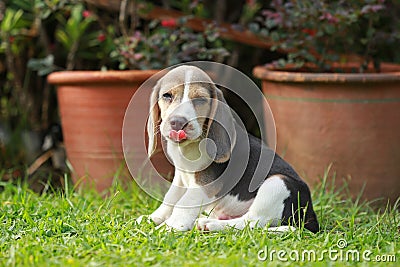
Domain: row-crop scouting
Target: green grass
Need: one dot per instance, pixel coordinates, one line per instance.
(85, 229)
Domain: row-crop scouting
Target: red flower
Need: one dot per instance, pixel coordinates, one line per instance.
(169, 23)
(311, 32)
(11, 39)
(86, 13)
(16, 173)
(101, 37)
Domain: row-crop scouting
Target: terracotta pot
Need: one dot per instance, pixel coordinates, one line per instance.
(348, 120)
(92, 105)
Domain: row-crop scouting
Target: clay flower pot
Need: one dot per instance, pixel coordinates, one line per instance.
(92, 106)
(348, 120)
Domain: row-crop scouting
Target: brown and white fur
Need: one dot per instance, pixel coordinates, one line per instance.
(181, 100)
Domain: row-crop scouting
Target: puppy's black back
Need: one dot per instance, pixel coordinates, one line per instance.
(297, 207)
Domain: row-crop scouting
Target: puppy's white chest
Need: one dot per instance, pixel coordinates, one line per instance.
(189, 158)
(188, 179)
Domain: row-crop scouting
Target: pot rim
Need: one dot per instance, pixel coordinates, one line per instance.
(90, 76)
(390, 73)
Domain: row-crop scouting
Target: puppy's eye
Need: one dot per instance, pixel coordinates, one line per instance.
(167, 97)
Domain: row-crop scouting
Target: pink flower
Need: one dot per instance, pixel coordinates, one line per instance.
(274, 16)
(372, 9)
(329, 17)
(138, 56)
(86, 13)
(137, 36)
(193, 4)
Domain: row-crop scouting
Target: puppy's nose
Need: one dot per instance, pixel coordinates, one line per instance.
(178, 123)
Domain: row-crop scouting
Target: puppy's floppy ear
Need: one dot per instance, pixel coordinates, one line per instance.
(153, 121)
(220, 128)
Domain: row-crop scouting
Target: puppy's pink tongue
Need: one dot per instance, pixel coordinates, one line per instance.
(177, 135)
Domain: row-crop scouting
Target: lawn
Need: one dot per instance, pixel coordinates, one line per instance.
(77, 228)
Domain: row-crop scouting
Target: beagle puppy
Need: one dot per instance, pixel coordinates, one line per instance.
(220, 169)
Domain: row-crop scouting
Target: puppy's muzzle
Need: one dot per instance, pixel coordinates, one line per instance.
(178, 125)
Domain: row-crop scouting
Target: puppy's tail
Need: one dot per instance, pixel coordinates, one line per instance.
(311, 221)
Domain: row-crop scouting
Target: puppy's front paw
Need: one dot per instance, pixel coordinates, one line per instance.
(209, 225)
(148, 219)
(281, 229)
(143, 219)
(157, 220)
(177, 225)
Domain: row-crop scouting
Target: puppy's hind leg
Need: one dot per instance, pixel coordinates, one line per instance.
(267, 208)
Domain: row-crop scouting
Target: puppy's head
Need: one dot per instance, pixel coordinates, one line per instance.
(186, 106)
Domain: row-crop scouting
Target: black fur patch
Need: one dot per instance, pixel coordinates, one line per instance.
(294, 206)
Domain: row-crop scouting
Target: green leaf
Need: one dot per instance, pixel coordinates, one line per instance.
(330, 29)
(45, 14)
(274, 36)
(254, 27)
(36, 63)
(270, 24)
(25, 5)
(264, 32)
(43, 66)
(364, 41)
(11, 19)
(62, 37)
